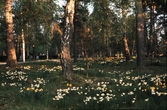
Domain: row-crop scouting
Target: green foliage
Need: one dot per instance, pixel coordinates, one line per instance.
(35, 19)
(2, 25)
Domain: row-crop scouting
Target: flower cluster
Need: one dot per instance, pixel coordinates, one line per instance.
(13, 78)
(35, 86)
(78, 68)
(44, 68)
(69, 84)
(35, 90)
(100, 93)
(28, 67)
(124, 87)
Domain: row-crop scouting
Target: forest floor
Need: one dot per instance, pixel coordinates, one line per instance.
(108, 83)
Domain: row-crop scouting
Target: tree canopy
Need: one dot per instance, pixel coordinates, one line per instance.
(109, 29)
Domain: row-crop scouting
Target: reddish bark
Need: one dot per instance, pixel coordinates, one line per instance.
(11, 52)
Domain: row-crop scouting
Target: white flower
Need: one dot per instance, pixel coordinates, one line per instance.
(123, 94)
(130, 93)
(103, 85)
(90, 97)
(12, 84)
(102, 94)
(3, 84)
(101, 100)
(130, 84)
(74, 89)
(158, 93)
(133, 101)
(164, 93)
(79, 93)
(59, 90)
(123, 83)
(32, 85)
(60, 96)
(98, 88)
(153, 92)
(128, 72)
(87, 99)
(37, 85)
(98, 84)
(107, 98)
(139, 84)
(21, 90)
(128, 77)
(145, 83)
(94, 98)
(103, 89)
(146, 99)
(140, 88)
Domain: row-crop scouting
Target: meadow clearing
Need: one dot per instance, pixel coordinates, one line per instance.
(108, 83)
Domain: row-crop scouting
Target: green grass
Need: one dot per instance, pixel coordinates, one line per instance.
(113, 84)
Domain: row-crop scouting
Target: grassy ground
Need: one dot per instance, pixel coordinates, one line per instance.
(107, 83)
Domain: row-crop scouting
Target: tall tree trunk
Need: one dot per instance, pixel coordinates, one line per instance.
(150, 50)
(11, 52)
(66, 61)
(151, 42)
(23, 47)
(140, 36)
(125, 42)
(75, 37)
(166, 33)
(133, 48)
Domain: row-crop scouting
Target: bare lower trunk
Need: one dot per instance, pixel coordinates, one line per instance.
(66, 62)
(11, 52)
(127, 52)
(87, 65)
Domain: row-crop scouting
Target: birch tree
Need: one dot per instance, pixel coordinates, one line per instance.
(66, 61)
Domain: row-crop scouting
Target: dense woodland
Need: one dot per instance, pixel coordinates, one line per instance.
(34, 29)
